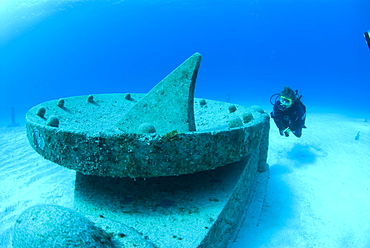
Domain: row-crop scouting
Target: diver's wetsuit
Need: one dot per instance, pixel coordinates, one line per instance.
(293, 117)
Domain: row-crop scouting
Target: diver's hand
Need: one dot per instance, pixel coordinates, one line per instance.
(287, 131)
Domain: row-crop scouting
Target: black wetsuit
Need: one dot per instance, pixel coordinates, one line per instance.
(293, 117)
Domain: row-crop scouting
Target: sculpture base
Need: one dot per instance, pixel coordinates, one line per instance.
(197, 210)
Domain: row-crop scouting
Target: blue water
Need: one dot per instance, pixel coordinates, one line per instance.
(250, 48)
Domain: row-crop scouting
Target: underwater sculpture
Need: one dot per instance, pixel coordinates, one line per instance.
(109, 134)
(201, 158)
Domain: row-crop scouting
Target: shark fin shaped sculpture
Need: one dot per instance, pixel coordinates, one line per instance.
(169, 106)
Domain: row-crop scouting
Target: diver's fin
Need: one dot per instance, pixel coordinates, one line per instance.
(367, 37)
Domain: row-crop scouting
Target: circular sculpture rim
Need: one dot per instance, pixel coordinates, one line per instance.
(85, 139)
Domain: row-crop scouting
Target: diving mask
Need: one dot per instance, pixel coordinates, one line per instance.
(285, 101)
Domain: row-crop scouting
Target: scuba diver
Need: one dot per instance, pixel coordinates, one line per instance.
(289, 112)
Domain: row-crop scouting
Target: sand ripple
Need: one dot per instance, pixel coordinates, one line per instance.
(28, 179)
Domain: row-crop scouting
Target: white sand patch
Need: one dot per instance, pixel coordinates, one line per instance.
(27, 179)
(319, 189)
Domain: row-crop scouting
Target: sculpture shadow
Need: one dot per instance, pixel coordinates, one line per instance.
(278, 209)
(304, 154)
(163, 195)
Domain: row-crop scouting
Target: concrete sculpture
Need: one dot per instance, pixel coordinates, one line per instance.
(194, 161)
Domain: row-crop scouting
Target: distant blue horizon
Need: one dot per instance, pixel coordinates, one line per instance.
(250, 50)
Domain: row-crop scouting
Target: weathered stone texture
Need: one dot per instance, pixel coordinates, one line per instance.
(87, 141)
(169, 105)
(56, 226)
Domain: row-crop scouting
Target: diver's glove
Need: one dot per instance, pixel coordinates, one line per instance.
(287, 131)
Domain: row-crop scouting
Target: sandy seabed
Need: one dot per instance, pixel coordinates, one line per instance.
(318, 193)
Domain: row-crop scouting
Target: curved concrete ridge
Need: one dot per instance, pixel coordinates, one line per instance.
(86, 139)
(169, 105)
